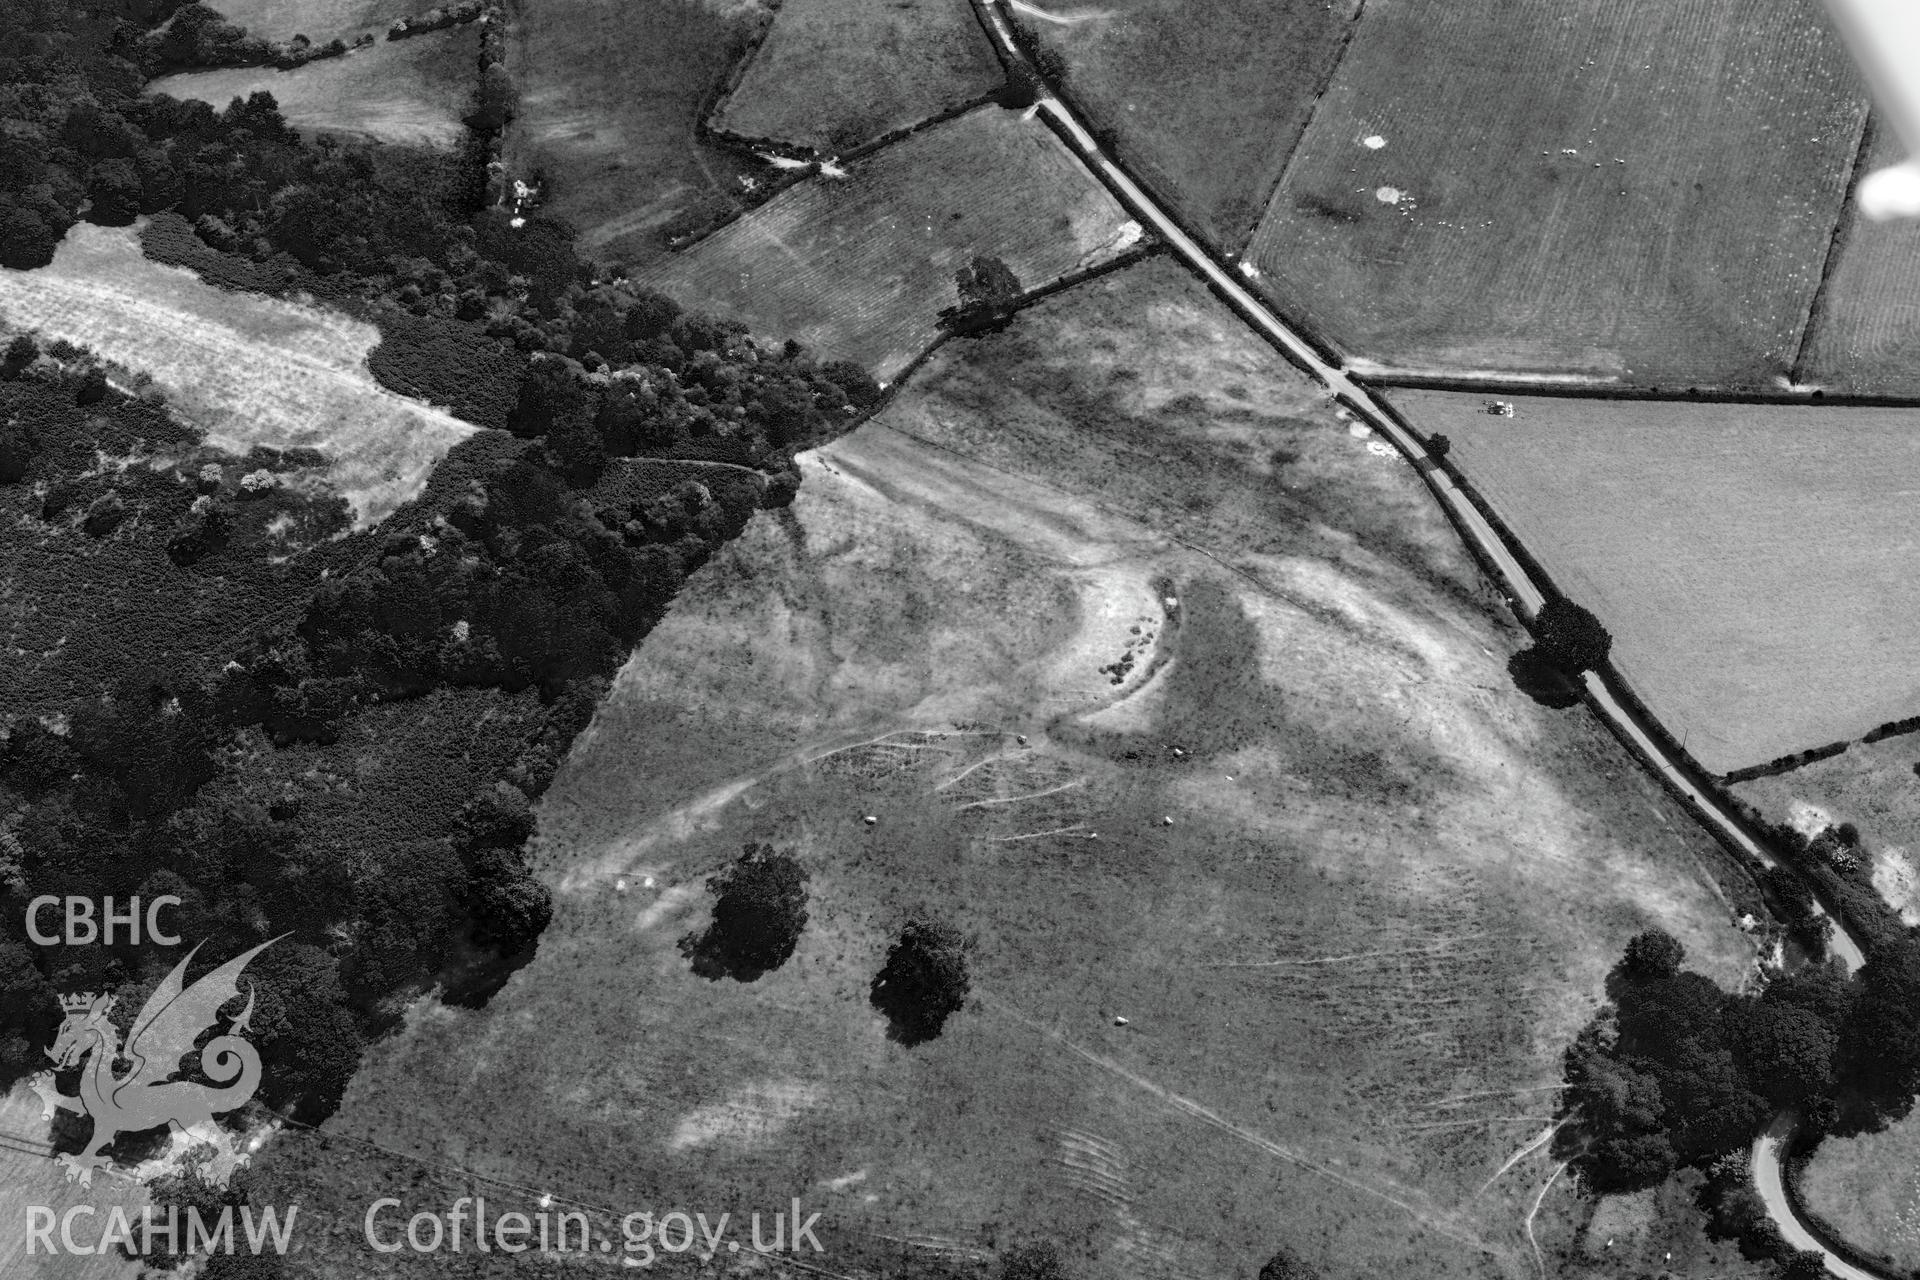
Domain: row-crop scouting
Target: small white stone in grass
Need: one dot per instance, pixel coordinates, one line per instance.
(647, 883)
(620, 885)
(546, 1202)
(1373, 142)
(1167, 821)
(1021, 739)
(1119, 1021)
(870, 819)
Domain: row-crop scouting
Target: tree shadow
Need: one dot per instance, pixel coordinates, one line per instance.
(1541, 679)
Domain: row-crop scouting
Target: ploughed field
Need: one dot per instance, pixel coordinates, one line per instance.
(1206, 102)
(1351, 921)
(1635, 191)
(858, 267)
(833, 74)
(1753, 562)
(1865, 335)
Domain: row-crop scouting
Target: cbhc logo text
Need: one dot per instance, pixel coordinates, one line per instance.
(83, 926)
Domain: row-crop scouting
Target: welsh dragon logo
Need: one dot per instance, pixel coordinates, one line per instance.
(146, 1096)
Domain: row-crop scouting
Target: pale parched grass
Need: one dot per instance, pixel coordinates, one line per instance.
(246, 369)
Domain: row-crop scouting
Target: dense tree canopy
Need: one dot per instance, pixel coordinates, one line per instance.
(924, 981)
(759, 913)
(1570, 635)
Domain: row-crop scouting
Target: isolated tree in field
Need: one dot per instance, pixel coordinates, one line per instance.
(1653, 954)
(1570, 635)
(1022, 89)
(759, 912)
(1439, 446)
(988, 290)
(924, 981)
(1287, 1265)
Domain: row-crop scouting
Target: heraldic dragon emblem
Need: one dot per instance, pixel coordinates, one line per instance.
(146, 1096)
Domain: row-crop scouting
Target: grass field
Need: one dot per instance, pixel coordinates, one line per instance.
(1207, 108)
(1389, 891)
(1752, 562)
(1871, 785)
(1868, 1190)
(610, 103)
(410, 91)
(246, 369)
(833, 74)
(1866, 335)
(859, 267)
(1573, 188)
(318, 20)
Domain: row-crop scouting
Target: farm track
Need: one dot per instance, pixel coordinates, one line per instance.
(1606, 693)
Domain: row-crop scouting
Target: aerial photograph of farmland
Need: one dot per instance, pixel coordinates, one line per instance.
(960, 639)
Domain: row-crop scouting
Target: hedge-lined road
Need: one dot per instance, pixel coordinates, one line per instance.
(1526, 595)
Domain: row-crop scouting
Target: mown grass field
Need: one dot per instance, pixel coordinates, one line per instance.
(1570, 189)
(1866, 333)
(1207, 107)
(244, 368)
(610, 103)
(1867, 1190)
(408, 91)
(833, 74)
(1390, 889)
(859, 267)
(1752, 562)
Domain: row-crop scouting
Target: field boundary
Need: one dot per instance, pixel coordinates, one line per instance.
(1300, 326)
(1732, 816)
(1514, 385)
(1788, 763)
(1313, 110)
(730, 85)
(1843, 225)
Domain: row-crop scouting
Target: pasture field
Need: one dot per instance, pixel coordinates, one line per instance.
(1389, 889)
(1206, 108)
(1871, 785)
(610, 103)
(1570, 188)
(833, 74)
(405, 91)
(318, 20)
(31, 1179)
(1867, 1190)
(244, 368)
(1865, 336)
(859, 267)
(1751, 561)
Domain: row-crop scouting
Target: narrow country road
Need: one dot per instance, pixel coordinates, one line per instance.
(1643, 737)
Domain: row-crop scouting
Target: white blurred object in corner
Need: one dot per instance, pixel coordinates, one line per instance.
(1885, 38)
